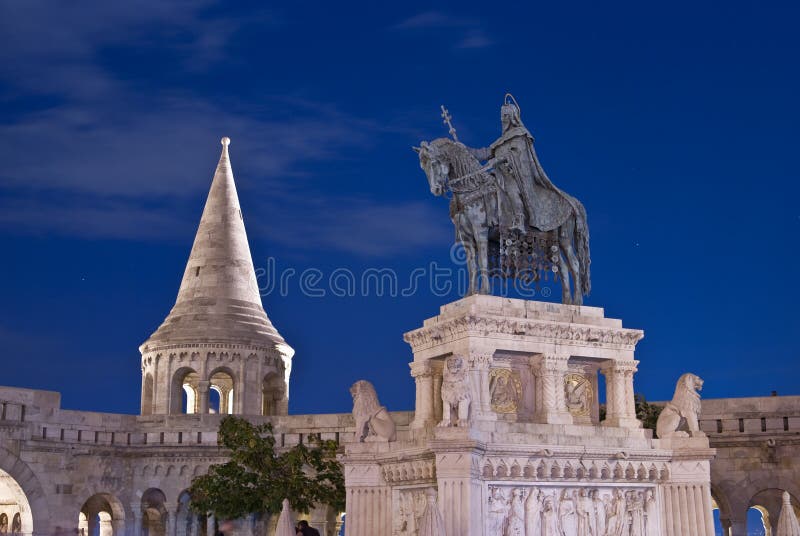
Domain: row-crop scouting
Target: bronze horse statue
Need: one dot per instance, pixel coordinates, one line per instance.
(477, 208)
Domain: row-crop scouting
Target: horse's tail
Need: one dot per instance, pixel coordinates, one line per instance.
(582, 247)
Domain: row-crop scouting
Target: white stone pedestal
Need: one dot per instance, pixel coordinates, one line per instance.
(534, 457)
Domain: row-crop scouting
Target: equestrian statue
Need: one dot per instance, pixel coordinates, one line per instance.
(512, 221)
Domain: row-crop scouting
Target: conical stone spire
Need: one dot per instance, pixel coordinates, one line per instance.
(217, 336)
(218, 300)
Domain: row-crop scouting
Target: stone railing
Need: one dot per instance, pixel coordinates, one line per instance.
(773, 415)
(51, 424)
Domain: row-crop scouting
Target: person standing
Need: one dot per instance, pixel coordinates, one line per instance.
(307, 530)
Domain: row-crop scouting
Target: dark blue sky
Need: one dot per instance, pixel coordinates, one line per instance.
(676, 124)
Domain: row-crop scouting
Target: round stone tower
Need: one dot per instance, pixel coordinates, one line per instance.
(217, 351)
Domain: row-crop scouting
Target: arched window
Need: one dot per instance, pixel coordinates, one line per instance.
(190, 399)
(271, 393)
(221, 393)
(184, 394)
(147, 394)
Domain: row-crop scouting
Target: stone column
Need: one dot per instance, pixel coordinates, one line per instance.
(136, 508)
(460, 492)
(369, 511)
(211, 525)
(424, 406)
(687, 510)
(117, 527)
(737, 524)
(170, 508)
(551, 405)
(620, 405)
(481, 405)
(202, 394)
(194, 526)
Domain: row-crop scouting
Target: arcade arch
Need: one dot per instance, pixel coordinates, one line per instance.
(102, 515)
(154, 513)
(15, 510)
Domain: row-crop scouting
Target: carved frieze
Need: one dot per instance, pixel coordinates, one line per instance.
(565, 333)
(576, 511)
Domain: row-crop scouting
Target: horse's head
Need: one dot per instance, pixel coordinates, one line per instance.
(435, 165)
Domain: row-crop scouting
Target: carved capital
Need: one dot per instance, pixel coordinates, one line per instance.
(421, 369)
(480, 360)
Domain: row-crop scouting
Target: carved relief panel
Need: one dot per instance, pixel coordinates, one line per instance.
(505, 390)
(579, 394)
(581, 391)
(408, 505)
(545, 510)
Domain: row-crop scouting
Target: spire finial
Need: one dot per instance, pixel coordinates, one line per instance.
(225, 141)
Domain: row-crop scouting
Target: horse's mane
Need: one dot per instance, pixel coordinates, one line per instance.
(461, 160)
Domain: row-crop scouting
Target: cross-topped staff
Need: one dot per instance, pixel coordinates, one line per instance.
(447, 117)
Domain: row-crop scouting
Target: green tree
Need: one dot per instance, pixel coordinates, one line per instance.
(646, 412)
(259, 476)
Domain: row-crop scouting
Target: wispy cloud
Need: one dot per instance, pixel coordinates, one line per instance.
(468, 33)
(359, 226)
(104, 159)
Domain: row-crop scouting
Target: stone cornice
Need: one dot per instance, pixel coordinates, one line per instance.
(212, 345)
(524, 328)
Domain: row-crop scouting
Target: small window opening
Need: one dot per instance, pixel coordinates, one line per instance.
(197, 272)
(719, 426)
(786, 424)
(44, 432)
(763, 424)
(741, 425)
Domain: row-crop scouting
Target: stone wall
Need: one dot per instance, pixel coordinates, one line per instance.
(136, 468)
(758, 456)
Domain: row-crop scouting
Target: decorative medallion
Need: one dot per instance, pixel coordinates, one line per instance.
(578, 393)
(505, 390)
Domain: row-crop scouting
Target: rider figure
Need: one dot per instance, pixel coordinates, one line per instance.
(533, 198)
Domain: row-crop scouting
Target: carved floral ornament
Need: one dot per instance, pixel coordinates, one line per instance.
(411, 471)
(478, 326)
(620, 470)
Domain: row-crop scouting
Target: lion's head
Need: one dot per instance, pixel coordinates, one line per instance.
(365, 400)
(686, 392)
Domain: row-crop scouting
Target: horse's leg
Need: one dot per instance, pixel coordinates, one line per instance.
(468, 243)
(478, 219)
(563, 268)
(566, 235)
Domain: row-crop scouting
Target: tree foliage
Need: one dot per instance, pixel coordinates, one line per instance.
(646, 412)
(259, 476)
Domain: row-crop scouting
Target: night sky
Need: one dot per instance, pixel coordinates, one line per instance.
(676, 124)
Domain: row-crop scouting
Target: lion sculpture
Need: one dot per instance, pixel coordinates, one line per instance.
(679, 418)
(456, 396)
(373, 422)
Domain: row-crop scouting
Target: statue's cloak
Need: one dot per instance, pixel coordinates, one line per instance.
(546, 205)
